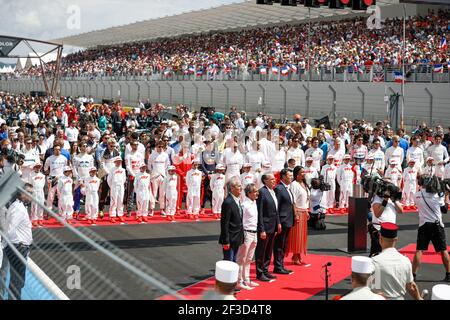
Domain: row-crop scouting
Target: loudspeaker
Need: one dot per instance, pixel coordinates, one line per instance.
(312, 3)
(289, 2)
(335, 4)
(362, 4)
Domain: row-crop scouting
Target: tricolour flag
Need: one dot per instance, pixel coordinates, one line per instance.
(275, 70)
(293, 68)
(191, 69)
(398, 77)
(199, 72)
(262, 70)
(438, 68)
(443, 44)
(285, 71)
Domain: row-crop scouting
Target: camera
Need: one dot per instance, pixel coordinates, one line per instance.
(374, 185)
(433, 184)
(320, 184)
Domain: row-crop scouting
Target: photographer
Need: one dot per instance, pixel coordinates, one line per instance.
(317, 215)
(431, 205)
(385, 205)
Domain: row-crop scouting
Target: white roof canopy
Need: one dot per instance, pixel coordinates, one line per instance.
(227, 17)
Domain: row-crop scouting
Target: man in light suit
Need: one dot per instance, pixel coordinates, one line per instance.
(268, 226)
(285, 200)
(231, 227)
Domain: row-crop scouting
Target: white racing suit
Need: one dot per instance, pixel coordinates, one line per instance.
(65, 197)
(329, 174)
(91, 187)
(116, 183)
(143, 195)
(217, 185)
(194, 184)
(409, 185)
(310, 173)
(394, 174)
(171, 188)
(38, 181)
(345, 177)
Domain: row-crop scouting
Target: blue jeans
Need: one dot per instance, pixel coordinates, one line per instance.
(76, 199)
(231, 254)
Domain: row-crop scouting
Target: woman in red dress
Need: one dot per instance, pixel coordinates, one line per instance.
(298, 237)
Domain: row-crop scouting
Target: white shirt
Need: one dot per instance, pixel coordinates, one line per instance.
(297, 154)
(415, 153)
(157, 163)
(250, 215)
(316, 154)
(438, 153)
(301, 195)
(430, 212)
(274, 196)
(72, 134)
(362, 293)
(395, 153)
(81, 164)
(393, 271)
(18, 224)
(56, 165)
(388, 215)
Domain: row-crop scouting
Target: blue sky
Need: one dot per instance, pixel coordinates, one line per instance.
(48, 19)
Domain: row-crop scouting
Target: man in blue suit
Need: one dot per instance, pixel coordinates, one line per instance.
(268, 226)
(286, 212)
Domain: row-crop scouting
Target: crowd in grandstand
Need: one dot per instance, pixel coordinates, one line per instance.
(333, 44)
(73, 149)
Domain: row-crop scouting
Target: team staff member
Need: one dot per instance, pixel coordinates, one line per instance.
(106, 166)
(393, 271)
(431, 228)
(19, 233)
(231, 228)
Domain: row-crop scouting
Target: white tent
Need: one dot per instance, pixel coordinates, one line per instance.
(234, 16)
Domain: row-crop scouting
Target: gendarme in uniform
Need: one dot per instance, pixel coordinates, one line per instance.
(393, 271)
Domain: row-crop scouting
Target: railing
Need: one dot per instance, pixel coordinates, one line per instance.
(376, 73)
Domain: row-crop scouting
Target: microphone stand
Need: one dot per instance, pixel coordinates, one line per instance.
(326, 281)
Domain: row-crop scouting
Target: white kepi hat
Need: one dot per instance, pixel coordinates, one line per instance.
(440, 292)
(227, 271)
(362, 265)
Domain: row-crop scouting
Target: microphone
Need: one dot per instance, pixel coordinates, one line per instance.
(328, 264)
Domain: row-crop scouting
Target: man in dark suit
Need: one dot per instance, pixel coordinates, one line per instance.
(268, 226)
(286, 211)
(231, 228)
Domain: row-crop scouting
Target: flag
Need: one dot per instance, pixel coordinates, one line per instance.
(262, 70)
(275, 70)
(398, 77)
(293, 68)
(378, 77)
(191, 69)
(199, 72)
(438, 68)
(166, 72)
(227, 69)
(357, 69)
(443, 44)
(285, 71)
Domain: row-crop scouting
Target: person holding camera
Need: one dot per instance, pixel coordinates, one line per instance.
(318, 205)
(385, 207)
(431, 206)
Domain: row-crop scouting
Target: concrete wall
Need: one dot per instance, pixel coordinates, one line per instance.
(280, 96)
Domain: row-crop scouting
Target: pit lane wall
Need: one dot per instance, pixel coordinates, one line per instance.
(429, 102)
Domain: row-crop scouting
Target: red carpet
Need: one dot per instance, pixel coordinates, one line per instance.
(156, 219)
(304, 283)
(429, 256)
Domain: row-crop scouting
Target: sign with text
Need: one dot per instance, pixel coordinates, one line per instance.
(7, 45)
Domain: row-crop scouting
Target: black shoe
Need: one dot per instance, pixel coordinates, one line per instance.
(288, 270)
(281, 271)
(263, 278)
(236, 290)
(446, 279)
(270, 276)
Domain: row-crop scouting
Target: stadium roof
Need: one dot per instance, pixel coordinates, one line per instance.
(226, 17)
